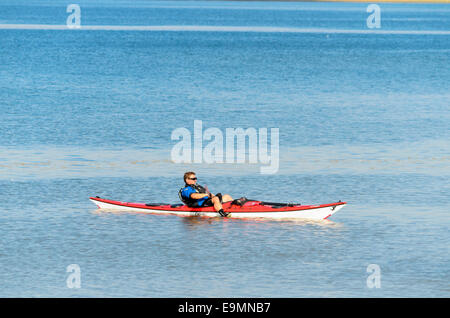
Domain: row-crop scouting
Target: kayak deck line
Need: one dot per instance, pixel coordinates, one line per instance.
(252, 209)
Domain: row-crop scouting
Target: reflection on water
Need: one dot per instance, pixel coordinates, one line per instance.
(192, 222)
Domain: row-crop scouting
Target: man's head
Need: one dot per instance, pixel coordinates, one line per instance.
(190, 178)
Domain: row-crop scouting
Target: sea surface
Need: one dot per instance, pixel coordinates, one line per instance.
(363, 117)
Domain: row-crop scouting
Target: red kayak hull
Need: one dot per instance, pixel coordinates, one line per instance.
(249, 209)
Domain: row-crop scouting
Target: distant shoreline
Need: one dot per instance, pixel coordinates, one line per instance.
(356, 1)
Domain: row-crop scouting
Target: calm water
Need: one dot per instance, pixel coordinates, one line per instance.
(362, 118)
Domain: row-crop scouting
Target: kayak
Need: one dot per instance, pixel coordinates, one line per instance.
(250, 209)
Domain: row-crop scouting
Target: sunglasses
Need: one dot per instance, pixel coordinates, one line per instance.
(192, 178)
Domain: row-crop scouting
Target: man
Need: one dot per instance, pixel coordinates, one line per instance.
(194, 195)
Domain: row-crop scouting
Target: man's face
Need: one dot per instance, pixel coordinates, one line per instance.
(192, 179)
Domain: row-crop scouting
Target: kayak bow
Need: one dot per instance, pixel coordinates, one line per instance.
(251, 209)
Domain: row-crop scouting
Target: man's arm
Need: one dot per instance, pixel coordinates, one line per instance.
(197, 196)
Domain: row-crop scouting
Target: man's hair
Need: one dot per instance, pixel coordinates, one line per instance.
(187, 175)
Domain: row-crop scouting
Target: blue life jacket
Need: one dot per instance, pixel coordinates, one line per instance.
(185, 195)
